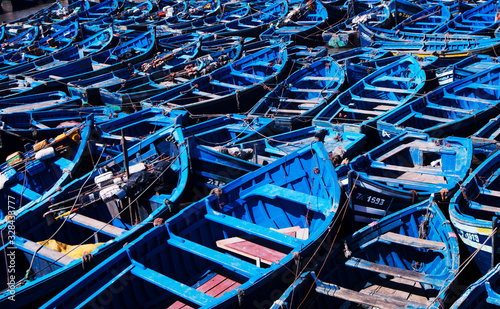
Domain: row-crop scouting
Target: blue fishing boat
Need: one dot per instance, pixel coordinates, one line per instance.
(215, 159)
(94, 44)
(19, 129)
(33, 176)
(450, 43)
(483, 293)
(426, 21)
(402, 10)
(38, 102)
(129, 52)
(474, 208)
(97, 11)
(224, 89)
(20, 40)
(346, 33)
(358, 70)
(459, 108)
(161, 73)
(405, 170)
(480, 20)
(406, 260)
(232, 247)
(339, 145)
(486, 140)
(50, 44)
(97, 213)
(89, 89)
(358, 108)
(302, 24)
(302, 95)
(254, 24)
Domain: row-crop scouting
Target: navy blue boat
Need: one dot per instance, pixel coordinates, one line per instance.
(225, 88)
(473, 208)
(232, 247)
(406, 260)
(405, 170)
(97, 213)
(483, 293)
(302, 95)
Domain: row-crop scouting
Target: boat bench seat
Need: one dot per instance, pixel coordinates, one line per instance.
(325, 78)
(286, 111)
(271, 191)
(478, 100)
(372, 299)
(262, 254)
(361, 111)
(253, 229)
(394, 271)
(171, 285)
(229, 261)
(205, 94)
(24, 192)
(375, 100)
(294, 89)
(416, 170)
(63, 163)
(227, 85)
(449, 108)
(301, 101)
(95, 225)
(247, 75)
(42, 252)
(433, 118)
(387, 89)
(483, 207)
(392, 237)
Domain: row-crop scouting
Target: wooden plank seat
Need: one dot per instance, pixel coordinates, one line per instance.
(412, 241)
(449, 108)
(394, 271)
(95, 225)
(361, 111)
(254, 229)
(375, 100)
(205, 94)
(383, 107)
(325, 78)
(314, 203)
(393, 78)
(286, 111)
(252, 250)
(433, 118)
(25, 192)
(171, 285)
(294, 89)
(43, 252)
(387, 89)
(479, 100)
(262, 254)
(494, 193)
(247, 75)
(484, 207)
(227, 85)
(417, 169)
(302, 100)
(372, 299)
(215, 256)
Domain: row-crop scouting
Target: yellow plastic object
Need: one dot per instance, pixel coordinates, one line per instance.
(75, 252)
(40, 145)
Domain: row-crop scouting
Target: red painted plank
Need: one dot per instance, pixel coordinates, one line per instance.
(256, 250)
(179, 305)
(222, 287)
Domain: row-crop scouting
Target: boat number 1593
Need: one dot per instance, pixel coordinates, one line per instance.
(371, 199)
